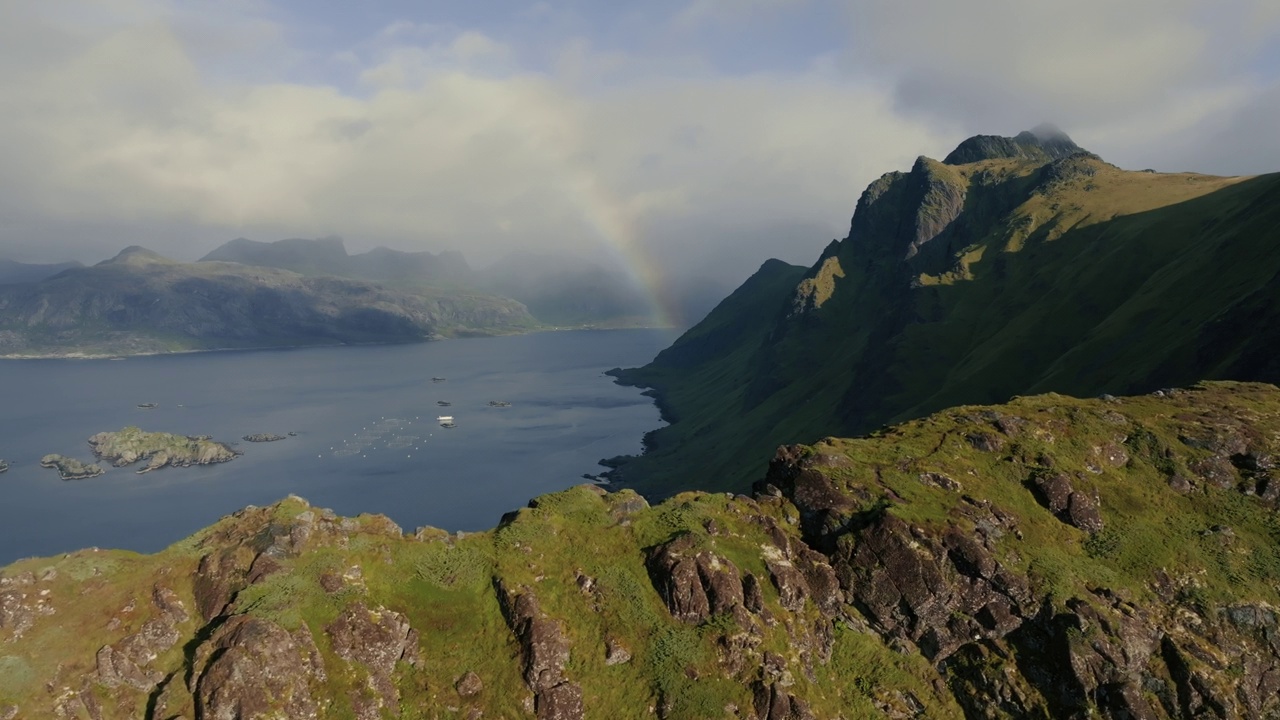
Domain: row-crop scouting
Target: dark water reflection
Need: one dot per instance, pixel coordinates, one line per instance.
(367, 436)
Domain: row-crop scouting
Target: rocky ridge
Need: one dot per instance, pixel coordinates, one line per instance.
(1051, 557)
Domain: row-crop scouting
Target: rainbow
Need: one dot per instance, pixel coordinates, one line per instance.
(614, 223)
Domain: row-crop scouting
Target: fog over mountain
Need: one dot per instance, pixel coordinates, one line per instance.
(684, 140)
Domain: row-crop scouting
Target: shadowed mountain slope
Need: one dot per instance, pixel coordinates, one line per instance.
(1035, 267)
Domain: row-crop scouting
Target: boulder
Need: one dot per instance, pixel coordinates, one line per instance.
(694, 584)
(469, 685)
(374, 640)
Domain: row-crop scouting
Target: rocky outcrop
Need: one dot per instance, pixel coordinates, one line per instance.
(772, 702)
(695, 584)
(1056, 493)
(127, 662)
(544, 652)
(217, 579)
(374, 641)
(817, 287)
(22, 603)
(252, 668)
(955, 591)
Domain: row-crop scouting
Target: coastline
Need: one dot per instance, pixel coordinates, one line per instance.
(616, 475)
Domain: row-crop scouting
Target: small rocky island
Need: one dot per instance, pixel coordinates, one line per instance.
(159, 449)
(263, 437)
(70, 468)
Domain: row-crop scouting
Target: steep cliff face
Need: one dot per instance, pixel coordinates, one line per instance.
(1051, 557)
(1019, 265)
(142, 302)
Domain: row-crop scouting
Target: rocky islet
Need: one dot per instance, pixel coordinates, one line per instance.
(70, 468)
(158, 449)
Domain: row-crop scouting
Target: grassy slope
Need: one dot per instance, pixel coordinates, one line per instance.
(1114, 282)
(710, 368)
(1149, 527)
(443, 585)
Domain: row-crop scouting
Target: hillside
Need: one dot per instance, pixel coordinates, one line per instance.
(140, 302)
(1020, 265)
(1048, 558)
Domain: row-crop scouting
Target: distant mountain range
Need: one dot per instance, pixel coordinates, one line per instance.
(299, 292)
(558, 289)
(1018, 265)
(16, 272)
(140, 302)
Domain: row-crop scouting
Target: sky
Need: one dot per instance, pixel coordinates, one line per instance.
(681, 138)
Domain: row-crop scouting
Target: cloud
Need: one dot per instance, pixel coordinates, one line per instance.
(124, 121)
(1098, 67)
(450, 145)
(702, 12)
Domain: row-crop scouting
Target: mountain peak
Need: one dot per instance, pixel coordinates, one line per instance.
(1045, 142)
(136, 255)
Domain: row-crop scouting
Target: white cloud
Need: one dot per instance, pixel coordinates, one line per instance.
(703, 12)
(1099, 68)
(113, 120)
(453, 146)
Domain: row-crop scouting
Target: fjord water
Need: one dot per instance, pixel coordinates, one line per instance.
(367, 437)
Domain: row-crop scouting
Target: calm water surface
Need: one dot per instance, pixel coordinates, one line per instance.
(367, 441)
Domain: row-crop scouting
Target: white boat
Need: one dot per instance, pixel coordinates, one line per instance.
(444, 418)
